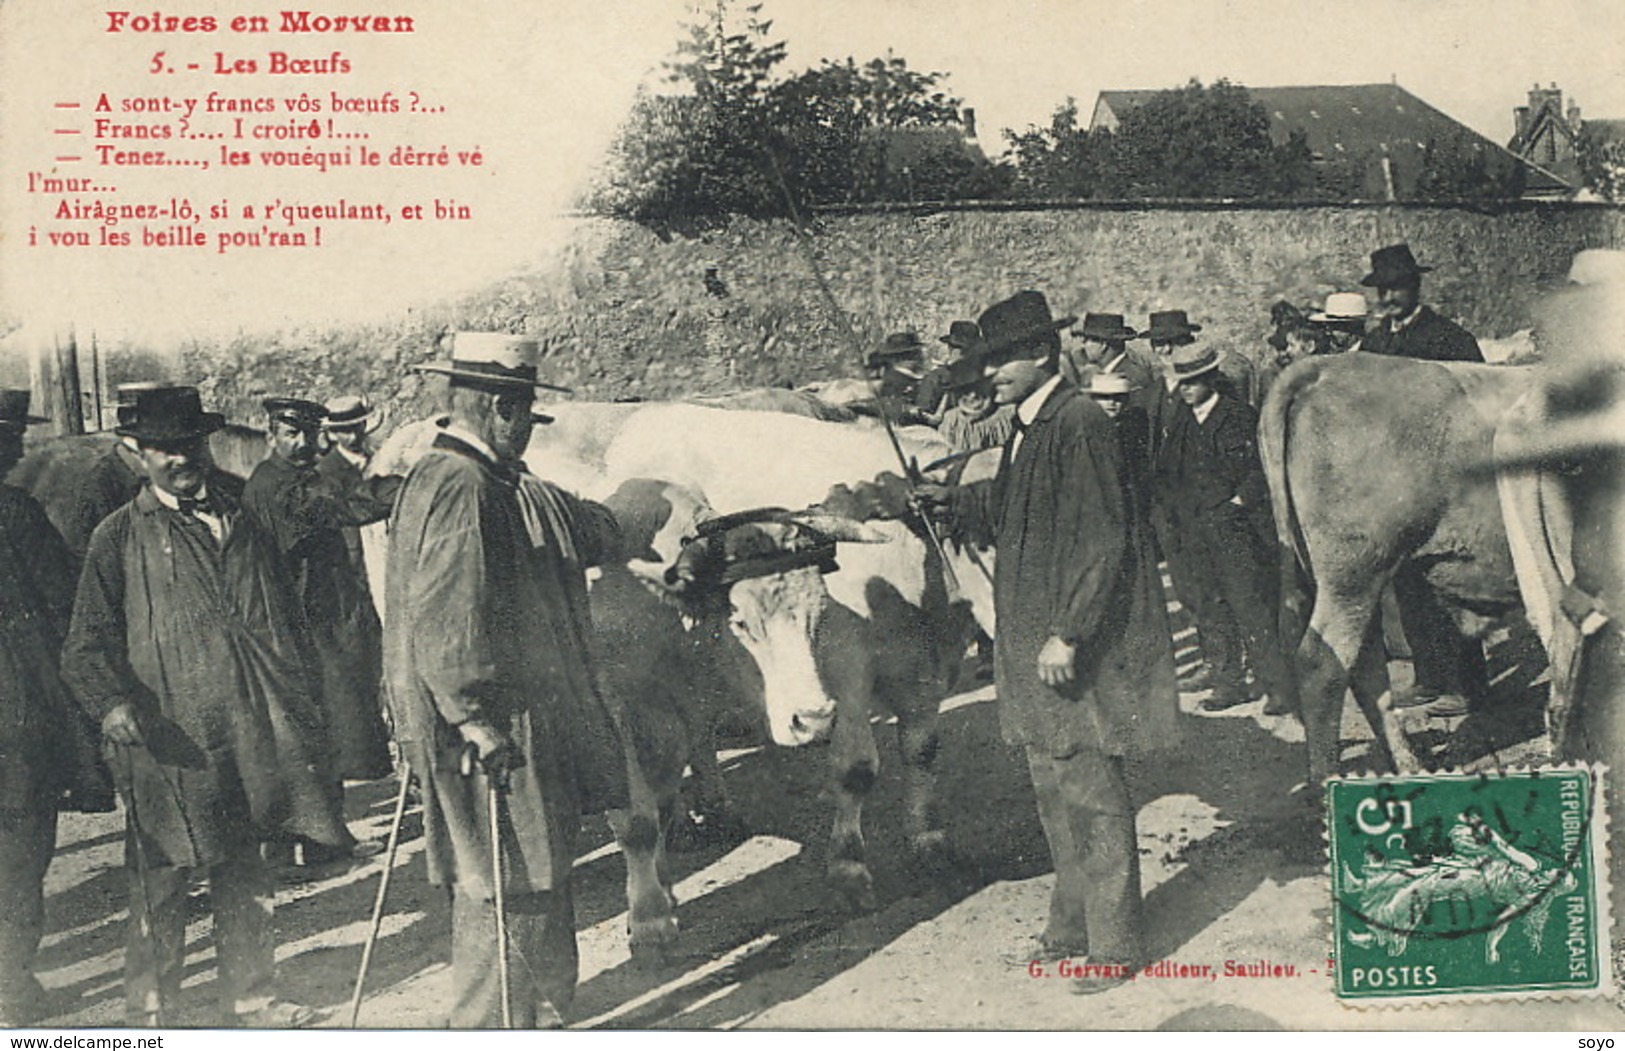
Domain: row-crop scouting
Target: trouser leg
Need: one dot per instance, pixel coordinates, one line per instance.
(243, 900)
(27, 840)
(1446, 660)
(1089, 821)
(156, 948)
(542, 959)
(1252, 595)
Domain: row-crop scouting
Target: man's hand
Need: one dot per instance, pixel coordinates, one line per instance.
(1055, 661)
(932, 498)
(493, 748)
(120, 727)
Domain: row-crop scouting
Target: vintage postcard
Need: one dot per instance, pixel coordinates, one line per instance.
(811, 514)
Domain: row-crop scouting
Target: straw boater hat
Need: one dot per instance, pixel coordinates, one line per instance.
(1015, 322)
(14, 417)
(351, 412)
(491, 361)
(1109, 385)
(169, 414)
(1191, 361)
(1108, 328)
(1393, 266)
(1342, 308)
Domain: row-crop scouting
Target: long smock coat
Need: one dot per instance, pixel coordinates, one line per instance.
(308, 511)
(46, 744)
(205, 640)
(487, 620)
(1074, 563)
(1428, 336)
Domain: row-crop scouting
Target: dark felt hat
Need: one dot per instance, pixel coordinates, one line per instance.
(898, 345)
(963, 336)
(169, 414)
(1015, 322)
(1108, 327)
(1168, 326)
(1393, 266)
(14, 415)
(300, 412)
(491, 361)
(965, 371)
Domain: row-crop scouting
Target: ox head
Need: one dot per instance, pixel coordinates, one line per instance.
(763, 571)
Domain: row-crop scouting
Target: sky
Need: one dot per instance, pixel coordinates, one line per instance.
(539, 87)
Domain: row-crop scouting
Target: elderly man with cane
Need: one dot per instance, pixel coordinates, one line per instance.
(188, 644)
(497, 713)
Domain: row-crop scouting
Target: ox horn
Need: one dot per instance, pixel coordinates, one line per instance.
(841, 528)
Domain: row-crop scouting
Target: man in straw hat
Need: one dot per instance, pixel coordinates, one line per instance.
(189, 646)
(1341, 325)
(44, 748)
(1405, 327)
(1083, 665)
(485, 647)
(308, 512)
(1212, 486)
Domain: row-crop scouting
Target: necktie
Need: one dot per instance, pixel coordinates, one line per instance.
(195, 506)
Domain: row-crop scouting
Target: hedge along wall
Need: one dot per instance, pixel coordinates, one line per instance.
(625, 313)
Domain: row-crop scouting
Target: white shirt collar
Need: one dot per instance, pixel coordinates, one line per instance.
(1112, 365)
(1405, 322)
(1028, 410)
(1204, 410)
(471, 440)
(173, 502)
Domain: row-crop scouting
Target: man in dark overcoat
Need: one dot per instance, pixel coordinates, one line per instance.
(1211, 481)
(485, 649)
(1450, 667)
(308, 511)
(42, 751)
(1084, 665)
(1406, 327)
(188, 644)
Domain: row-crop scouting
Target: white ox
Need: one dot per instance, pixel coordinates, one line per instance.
(817, 656)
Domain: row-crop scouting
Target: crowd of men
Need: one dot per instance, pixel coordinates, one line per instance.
(220, 639)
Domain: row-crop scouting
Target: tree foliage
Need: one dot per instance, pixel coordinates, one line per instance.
(1602, 164)
(1192, 141)
(735, 136)
(1458, 171)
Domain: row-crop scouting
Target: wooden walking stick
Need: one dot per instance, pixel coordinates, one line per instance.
(496, 784)
(383, 889)
(144, 924)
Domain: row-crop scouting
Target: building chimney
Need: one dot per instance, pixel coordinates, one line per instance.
(1574, 115)
(1520, 122)
(967, 117)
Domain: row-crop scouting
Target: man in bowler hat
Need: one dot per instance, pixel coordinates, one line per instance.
(1084, 666)
(188, 644)
(1406, 327)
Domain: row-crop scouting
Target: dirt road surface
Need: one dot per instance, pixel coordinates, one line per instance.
(1234, 868)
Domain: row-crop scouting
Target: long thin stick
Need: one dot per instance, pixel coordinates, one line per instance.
(383, 890)
(145, 924)
(493, 794)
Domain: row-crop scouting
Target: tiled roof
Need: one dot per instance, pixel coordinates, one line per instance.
(1361, 121)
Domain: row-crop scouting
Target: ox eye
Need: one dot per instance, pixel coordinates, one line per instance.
(738, 624)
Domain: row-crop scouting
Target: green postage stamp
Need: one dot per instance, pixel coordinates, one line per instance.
(1469, 886)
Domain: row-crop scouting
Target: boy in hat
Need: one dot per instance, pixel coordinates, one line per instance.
(42, 750)
(307, 513)
(1084, 666)
(489, 651)
(189, 646)
(974, 422)
(1212, 486)
(1114, 393)
(1405, 327)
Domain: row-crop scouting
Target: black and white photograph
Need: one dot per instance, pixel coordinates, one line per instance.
(812, 515)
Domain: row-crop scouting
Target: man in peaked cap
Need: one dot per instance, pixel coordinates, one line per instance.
(1214, 492)
(44, 748)
(189, 646)
(307, 512)
(486, 648)
(1083, 666)
(1406, 328)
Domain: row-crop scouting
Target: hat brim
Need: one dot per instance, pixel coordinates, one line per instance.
(1390, 278)
(365, 424)
(1124, 333)
(1165, 335)
(207, 423)
(1181, 377)
(994, 348)
(1337, 319)
(485, 379)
